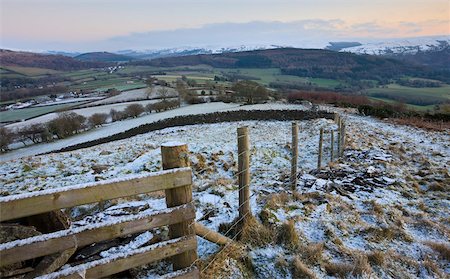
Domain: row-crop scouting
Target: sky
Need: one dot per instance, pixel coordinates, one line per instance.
(94, 25)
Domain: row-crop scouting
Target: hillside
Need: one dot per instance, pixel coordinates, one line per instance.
(102, 57)
(45, 61)
(302, 62)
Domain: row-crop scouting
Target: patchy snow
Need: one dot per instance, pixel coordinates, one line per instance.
(384, 195)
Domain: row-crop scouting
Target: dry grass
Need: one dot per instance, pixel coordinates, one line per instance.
(387, 234)
(312, 253)
(217, 263)
(441, 248)
(432, 267)
(376, 257)
(275, 201)
(338, 269)
(256, 234)
(300, 270)
(376, 207)
(250, 232)
(288, 236)
(361, 265)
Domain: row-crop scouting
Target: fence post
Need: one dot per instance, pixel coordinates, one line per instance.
(294, 155)
(244, 173)
(176, 155)
(339, 138)
(342, 138)
(332, 145)
(319, 158)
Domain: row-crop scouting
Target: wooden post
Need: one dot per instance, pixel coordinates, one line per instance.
(342, 138)
(332, 145)
(244, 173)
(176, 155)
(319, 158)
(339, 137)
(294, 155)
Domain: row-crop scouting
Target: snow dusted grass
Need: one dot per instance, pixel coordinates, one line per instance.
(382, 211)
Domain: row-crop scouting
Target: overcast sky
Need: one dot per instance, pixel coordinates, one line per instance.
(88, 25)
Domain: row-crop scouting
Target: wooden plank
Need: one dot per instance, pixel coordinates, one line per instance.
(115, 264)
(13, 207)
(188, 273)
(83, 236)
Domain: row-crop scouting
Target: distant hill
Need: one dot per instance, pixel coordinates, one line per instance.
(103, 57)
(303, 62)
(337, 46)
(46, 61)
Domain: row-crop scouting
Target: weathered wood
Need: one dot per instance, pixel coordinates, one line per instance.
(332, 145)
(211, 235)
(244, 173)
(116, 264)
(176, 155)
(84, 236)
(13, 207)
(319, 156)
(51, 263)
(294, 160)
(189, 273)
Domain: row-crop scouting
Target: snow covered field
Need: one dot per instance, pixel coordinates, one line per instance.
(382, 211)
(121, 126)
(133, 95)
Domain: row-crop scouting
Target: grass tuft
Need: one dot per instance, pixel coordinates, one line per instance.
(300, 270)
(288, 236)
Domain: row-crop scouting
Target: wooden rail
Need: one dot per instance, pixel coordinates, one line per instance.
(13, 207)
(176, 180)
(38, 246)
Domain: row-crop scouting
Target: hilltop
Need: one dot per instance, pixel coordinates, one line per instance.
(102, 57)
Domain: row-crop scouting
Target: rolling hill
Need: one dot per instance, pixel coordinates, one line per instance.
(103, 57)
(44, 61)
(305, 63)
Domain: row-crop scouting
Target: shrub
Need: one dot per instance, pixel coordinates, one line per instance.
(6, 137)
(134, 110)
(97, 119)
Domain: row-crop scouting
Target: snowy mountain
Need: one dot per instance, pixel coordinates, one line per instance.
(182, 51)
(401, 46)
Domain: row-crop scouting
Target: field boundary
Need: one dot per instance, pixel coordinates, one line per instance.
(209, 118)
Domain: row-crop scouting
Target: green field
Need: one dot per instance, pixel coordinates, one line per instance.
(430, 96)
(26, 113)
(442, 92)
(27, 71)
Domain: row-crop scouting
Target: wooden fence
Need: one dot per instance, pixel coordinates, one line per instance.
(175, 180)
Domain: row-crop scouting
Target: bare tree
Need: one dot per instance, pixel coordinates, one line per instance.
(66, 124)
(6, 138)
(97, 119)
(134, 110)
(163, 92)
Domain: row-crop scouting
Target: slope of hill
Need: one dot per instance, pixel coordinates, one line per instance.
(45, 61)
(183, 51)
(301, 62)
(102, 57)
(401, 46)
